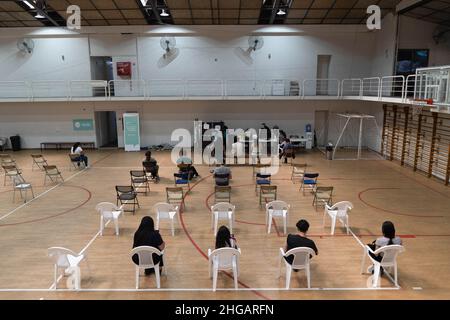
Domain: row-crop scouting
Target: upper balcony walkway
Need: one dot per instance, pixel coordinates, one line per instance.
(426, 84)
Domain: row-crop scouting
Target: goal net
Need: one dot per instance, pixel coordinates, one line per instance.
(353, 136)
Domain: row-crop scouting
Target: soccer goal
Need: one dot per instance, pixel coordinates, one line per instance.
(353, 136)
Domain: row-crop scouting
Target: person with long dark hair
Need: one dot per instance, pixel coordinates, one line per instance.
(224, 239)
(81, 157)
(388, 238)
(146, 235)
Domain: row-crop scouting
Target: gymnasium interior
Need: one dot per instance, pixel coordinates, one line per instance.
(336, 112)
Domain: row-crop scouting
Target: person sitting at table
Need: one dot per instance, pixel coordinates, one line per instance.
(287, 149)
(282, 135)
(151, 166)
(81, 157)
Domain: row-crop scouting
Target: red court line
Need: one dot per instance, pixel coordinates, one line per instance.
(276, 228)
(55, 215)
(201, 251)
(419, 182)
(389, 211)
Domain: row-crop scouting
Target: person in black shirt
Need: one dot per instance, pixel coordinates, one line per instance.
(151, 165)
(299, 240)
(146, 235)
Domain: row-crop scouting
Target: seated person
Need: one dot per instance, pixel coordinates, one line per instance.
(81, 157)
(222, 175)
(185, 165)
(299, 240)
(284, 147)
(151, 165)
(146, 235)
(282, 135)
(224, 239)
(387, 239)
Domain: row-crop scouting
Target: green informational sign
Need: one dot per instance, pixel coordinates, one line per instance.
(132, 139)
(83, 125)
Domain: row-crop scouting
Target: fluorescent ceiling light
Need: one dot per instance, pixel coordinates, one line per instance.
(144, 2)
(164, 13)
(281, 12)
(28, 4)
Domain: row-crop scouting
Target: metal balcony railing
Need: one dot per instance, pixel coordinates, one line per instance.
(427, 83)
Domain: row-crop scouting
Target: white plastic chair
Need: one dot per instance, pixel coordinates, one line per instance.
(20, 185)
(388, 261)
(145, 254)
(338, 211)
(165, 211)
(109, 212)
(224, 211)
(67, 261)
(224, 259)
(276, 209)
(301, 262)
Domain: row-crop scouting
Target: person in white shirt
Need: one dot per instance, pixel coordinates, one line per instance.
(81, 157)
(387, 239)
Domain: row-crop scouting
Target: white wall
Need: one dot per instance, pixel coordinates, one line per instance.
(417, 34)
(39, 122)
(112, 45)
(285, 57)
(44, 122)
(384, 55)
(205, 54)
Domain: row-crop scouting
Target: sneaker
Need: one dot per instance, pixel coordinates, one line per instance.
(149, 271)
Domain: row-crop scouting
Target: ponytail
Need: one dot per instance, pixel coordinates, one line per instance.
(388, 230)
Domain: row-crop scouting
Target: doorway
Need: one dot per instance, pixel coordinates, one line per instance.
(323, 69)
(321, 127)
(102, 69)
(106, 129)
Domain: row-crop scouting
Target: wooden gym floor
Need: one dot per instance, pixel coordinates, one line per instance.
(64, 215)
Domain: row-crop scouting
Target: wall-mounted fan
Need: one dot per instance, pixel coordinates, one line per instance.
(254, 43)
(441, 35)
(168, 44)
(25, 45)
(170, 52)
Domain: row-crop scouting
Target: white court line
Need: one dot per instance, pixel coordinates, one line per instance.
(53, 286)
(200, 289)
(40, 195)
(363, 245)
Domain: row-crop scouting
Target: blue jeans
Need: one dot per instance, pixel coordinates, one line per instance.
(82, 158)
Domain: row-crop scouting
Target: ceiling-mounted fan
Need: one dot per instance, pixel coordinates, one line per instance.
(254, 43)
(441, 35)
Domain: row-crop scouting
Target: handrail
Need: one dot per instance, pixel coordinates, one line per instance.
(336, 81)
(141, 85)
(393, 81)
(257, 87)
(378, 85)
(352, 80)
(48, 85)
(426, 83)
(149, 87)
